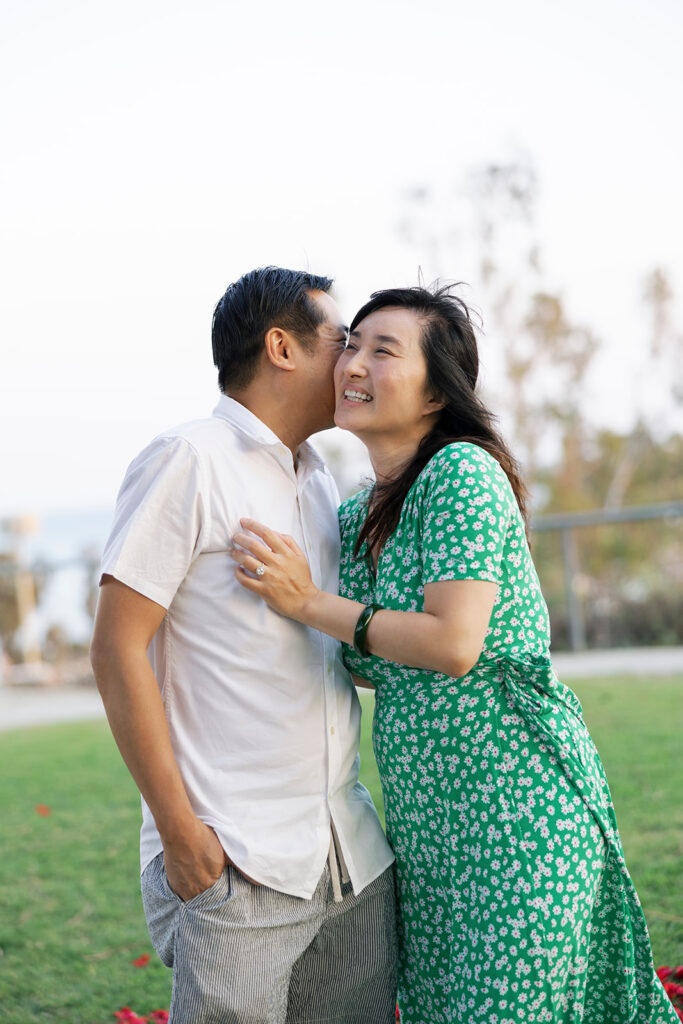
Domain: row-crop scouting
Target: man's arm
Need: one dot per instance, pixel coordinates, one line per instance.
(124, 626)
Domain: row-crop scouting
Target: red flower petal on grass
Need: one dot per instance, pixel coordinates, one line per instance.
(678, 972)
(398, 1014)
(141, 961)
(127, 1016)
(158, 1017)
(664, 972)
(43, 810)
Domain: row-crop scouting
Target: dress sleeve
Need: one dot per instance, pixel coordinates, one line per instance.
(348, 520)
(159, 520)
(466, 516)
(343, 516)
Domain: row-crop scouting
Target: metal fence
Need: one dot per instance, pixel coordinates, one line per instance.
(567, 524)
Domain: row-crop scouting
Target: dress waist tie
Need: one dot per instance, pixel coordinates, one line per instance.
(553, 711)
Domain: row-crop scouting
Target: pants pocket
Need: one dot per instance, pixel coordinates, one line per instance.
(161, 907)
(215, 896)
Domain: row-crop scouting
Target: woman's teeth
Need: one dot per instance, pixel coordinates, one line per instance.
(357, 396)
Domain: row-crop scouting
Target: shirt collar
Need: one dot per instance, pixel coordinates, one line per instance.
(245, 421)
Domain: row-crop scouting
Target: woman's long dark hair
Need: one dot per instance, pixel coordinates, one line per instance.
(449, 346)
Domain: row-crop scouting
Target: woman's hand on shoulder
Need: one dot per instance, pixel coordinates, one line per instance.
(273, 566)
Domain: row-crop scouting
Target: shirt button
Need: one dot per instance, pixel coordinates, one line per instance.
(331, 730)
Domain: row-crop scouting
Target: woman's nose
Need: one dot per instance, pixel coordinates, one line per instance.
(354, 364)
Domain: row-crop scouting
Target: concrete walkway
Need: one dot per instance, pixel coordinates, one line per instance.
(629, 661)
(25, 706)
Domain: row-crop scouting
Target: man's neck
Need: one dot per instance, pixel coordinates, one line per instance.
(274, 416)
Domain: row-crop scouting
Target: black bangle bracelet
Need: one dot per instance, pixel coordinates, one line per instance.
(361, 630)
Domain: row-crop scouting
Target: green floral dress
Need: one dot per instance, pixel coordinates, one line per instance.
(515, 904)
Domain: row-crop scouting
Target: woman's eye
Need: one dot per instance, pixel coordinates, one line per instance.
(384, 350)
(350, 347)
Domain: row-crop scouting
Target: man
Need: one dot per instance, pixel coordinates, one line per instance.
(267, 881)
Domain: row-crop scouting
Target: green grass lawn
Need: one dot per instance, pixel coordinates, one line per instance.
(70, 914)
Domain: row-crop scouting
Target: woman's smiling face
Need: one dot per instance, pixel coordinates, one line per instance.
(381, 377)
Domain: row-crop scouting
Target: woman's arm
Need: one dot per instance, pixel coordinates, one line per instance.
(446, 637)
(363, 684)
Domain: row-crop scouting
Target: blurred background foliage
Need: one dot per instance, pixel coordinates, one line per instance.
(627, 576)
(544, 375)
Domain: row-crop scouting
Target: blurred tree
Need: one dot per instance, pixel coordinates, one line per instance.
(90, 557)
(624, 566)
(546, 359)
(9, 611)
(665, 354)
(56, 646)
(659, 395)
(545, 356)
(12, 578)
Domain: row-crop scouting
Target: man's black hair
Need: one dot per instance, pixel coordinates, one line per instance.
(263, 298)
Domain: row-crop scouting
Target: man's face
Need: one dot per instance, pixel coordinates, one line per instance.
(318, 364)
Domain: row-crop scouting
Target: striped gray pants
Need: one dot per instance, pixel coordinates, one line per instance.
(247, 954)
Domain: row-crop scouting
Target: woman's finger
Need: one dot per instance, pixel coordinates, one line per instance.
(247, 581)
(254, 546)
(248, 562)
(271, 537)
(291, 544)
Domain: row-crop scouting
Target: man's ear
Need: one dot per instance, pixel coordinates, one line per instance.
(280, 350)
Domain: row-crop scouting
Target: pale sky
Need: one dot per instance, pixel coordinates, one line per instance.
(154, 151)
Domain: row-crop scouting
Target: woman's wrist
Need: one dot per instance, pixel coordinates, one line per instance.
(308, 612)
(360, 632)
(331, 614)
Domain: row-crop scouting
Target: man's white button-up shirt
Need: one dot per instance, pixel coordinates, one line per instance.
(263, 716)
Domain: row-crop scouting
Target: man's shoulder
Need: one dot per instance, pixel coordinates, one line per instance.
(204, 435)
(317, 462)
(194, 430)
(183, 452)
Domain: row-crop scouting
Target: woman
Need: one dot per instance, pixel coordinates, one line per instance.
(514, 899)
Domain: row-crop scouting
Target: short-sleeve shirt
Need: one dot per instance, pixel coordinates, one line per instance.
(460, 521)
(263, 717)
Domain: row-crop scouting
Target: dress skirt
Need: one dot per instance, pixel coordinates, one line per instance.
(515, 901)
